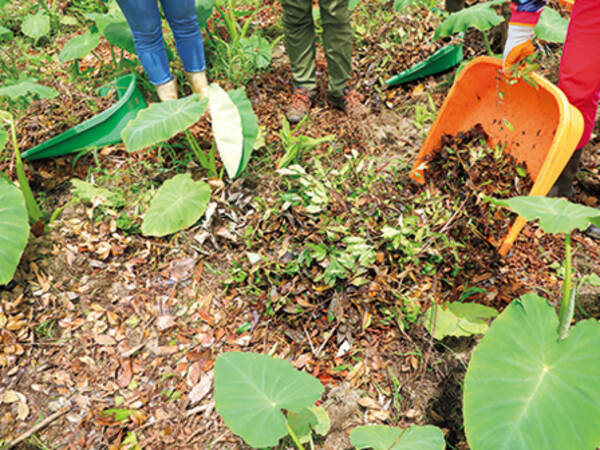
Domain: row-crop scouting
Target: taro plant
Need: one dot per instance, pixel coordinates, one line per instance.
(482, 16)
(180, 202)
(532, 380)
(295, 144)
(252, 391)
(380, 437)
(17, 208)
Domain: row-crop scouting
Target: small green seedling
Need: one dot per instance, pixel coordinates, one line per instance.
(295, 145)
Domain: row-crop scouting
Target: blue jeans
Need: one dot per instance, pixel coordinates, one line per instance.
(143, 17)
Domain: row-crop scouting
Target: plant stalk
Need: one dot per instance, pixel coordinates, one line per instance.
(487, 44)
(567, 286)
(35, 214)
(293, 436)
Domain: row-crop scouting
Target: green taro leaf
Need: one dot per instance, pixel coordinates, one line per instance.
(27, 88)
(458, 319)
(556, 215)
(252, 389)
(119, 34)
(178, 204)
(162, 121)
(258, 49)
(227, 129)
(481, 16)
(249, 125)
(313, 418)
(79, 46)
(552, 27)
(524, 389)
(36, 26)
(5, 34)
(14, 229)
(380, 437)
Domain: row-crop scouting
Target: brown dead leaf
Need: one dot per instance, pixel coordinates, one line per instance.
(202, 388)
(165, 322)
(104, 340)
(124, 374)
(369, 403)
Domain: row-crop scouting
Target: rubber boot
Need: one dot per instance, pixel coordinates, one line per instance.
(167, 91)
(198, 82)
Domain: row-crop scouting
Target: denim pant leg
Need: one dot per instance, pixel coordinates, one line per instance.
(144, 20)
(181, 15)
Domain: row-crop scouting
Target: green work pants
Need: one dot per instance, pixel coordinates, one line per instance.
(300, 40)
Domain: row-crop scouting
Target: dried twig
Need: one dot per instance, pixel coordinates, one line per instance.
(44, 423)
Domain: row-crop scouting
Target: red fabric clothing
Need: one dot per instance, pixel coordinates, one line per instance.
(526, 12)
(579, 74)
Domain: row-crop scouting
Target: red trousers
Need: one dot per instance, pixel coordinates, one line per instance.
(579, 75)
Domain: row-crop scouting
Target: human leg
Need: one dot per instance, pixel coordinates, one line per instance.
(143, 18)
(299, 35)
(337, 41)
(579, 78)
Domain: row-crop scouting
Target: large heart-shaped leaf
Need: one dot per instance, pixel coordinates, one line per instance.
(36, 26)
(552, 26)
(26, 88)
(178, 204)
(79, 46)
(481, 16)
(162, 121)
(252, 389)
(526, 389)
(458, 319)
(380, 437)
(227, 128)
(258, 49)
(119, 34)
(14, 229)
(249, 125)
(556, 215)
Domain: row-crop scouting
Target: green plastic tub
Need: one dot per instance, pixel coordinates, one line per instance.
(100, 130)
(443, 59)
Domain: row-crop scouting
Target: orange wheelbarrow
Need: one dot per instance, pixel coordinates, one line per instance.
(538, 125)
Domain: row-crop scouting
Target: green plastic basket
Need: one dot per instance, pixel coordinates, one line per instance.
(100, 130)
(440, 61)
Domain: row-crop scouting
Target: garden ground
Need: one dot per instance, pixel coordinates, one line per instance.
(100, 318)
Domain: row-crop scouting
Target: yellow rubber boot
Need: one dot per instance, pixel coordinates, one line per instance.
(198, 82)
(167, 91)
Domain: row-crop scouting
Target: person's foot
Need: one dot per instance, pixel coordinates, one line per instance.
(167, 91)
(302, 100)
(350, 102)
(593, 232)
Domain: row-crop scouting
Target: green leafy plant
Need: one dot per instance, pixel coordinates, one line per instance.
(36, 26)
(481, 16)
(252, 391)
(295, 144)
(552, 27)
(380, 437)
(79, 47)
(178, 204)
(458, 319)
(532, 379)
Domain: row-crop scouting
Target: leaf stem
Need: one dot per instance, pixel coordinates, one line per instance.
(487, 44)
(293, 436)
(564, 307)
(33, 209)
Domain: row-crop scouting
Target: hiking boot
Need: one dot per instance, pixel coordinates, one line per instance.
(302, 100)
(350, 102)
(593, 232)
